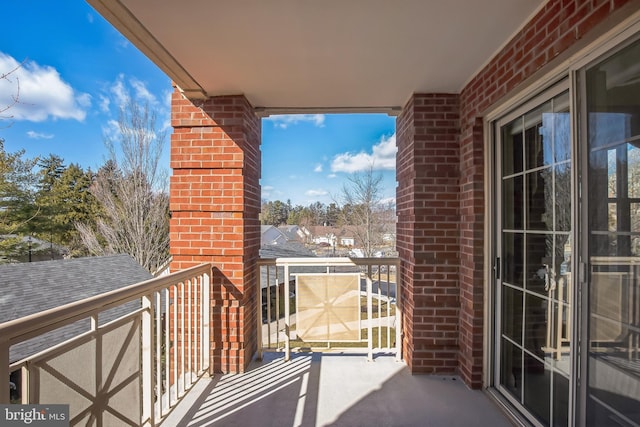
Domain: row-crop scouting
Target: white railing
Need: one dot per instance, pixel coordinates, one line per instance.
(129, 371)
(375, 279)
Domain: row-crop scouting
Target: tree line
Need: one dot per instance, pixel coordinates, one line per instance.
(123, 207)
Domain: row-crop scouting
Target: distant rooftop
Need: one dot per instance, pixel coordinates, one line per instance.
(28, 288)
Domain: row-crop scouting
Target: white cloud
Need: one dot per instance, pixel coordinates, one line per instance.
(119, 91)
(41, 93)
(316, 193)
(388, 201)
(39, 135)
(382, 157)
(141, 91)
(332, 175)
(111, 130)
(90, 18)
(105, 102)
(283, 121)
(318, 168)
(267, 190)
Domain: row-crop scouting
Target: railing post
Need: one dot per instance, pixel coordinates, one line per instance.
(147, 361)
(287, 314)
(5, 395)
(398, 316)
(206, 319)
(369, 315)
(259, 310)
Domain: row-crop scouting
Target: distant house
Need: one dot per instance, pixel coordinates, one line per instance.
(347, 241)
(28, 288)
(343, 236)
(294, 232)
(279, 243)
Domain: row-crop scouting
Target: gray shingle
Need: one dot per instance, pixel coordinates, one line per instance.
(29, 288)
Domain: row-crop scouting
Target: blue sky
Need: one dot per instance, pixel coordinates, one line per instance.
(75, 69)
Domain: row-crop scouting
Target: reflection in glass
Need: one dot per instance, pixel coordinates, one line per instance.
(538, 137)
(540, 203)
(512, 210)
(537, 387)
(535, 325)
(513, 261)
(511, 368)
(562, 201)
(536, 253)
(558, 337)
(512, 313)
(512, 148)
(540, 268)
(560, 400)
(613, 91)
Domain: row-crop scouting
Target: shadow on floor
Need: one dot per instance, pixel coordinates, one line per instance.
(337, 389)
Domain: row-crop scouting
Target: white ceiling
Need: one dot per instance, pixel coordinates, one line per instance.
(299, 55)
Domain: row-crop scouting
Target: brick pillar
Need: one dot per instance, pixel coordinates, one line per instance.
(472, 253)
(215, 202)
(428, 240)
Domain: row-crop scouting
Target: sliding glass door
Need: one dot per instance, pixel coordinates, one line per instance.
(567, 331)
(612, 344)
(534, 286)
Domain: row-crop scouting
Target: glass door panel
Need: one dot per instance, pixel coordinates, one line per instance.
(534, 290)
(613, 348)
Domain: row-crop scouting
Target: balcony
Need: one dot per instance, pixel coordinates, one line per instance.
(330, 354)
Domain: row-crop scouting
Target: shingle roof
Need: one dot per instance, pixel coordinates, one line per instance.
(29, 288)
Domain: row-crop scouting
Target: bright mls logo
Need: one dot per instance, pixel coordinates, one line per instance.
(34, 415)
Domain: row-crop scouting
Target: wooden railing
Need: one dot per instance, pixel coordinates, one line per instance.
(131, 370)
(367, 286)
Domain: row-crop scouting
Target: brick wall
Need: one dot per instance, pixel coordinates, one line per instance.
(427, 233)
(557, 27)
(443, 290)
(215, 202)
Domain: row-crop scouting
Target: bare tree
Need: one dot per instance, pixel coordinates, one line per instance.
(10, 77)
(131, 190)
(362, 202)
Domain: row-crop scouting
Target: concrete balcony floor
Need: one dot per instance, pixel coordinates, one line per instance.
(334, 388)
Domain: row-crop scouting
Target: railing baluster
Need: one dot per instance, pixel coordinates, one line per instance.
(379, 307)
(182, 341)
(148, 418)
(167, 346)
(206, 306)
(5, 395)
(189, 331)
(269, 305)
(277, 290)
(287, 314)
(158, 353)
(388, 309)
(197, 327)
(176, 367)
(258, 274)
(25, 380)
(369, 315)
(398, 314)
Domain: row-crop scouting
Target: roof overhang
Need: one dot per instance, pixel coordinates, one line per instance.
(291, 56)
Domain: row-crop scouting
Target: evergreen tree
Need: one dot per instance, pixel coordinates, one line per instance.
(17, 194)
